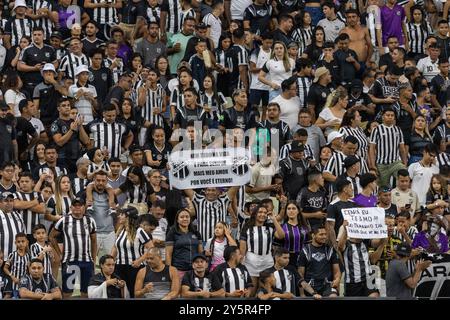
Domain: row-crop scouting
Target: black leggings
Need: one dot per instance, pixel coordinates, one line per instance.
(128, 274)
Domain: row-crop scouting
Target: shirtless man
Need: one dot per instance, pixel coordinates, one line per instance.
(360, 40)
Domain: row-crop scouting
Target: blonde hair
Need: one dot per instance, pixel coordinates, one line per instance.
(335, 96)
(286, 62)
(58, 194)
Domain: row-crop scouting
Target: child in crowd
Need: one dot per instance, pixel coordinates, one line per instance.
(216, 245)
(41, 249)
(16, 266)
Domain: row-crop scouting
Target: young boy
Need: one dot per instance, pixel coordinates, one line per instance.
(16, 265)
(4, 281)
(442, 39)
(197, 62)
(29, 204)
(405, 198)
(404, 230)
(40, 249)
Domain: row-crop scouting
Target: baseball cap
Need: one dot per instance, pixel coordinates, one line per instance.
(296, 146)
(356, 83)
(56, 34)
(78, 200)
(350, 160)
(199, 255)
(3, 105)
(320, 72)
(201, 25)
(403, 249)
(333, 135)
(6, 195)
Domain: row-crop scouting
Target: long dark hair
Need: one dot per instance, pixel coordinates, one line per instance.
(252, 221)
(349, 115)
(423, 23)
(313, 37)
(301, 220)
(301, 19)
(175, 225)
(143, 183)
(158, 72)
(213, 239)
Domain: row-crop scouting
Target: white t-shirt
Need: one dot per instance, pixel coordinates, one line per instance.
(219, 248)
(331, 27)
(216, 27)
(160, 234)
(238, 7)
(83, 105)
(428, 68)
(421, 178)
(289, 109)
(276, 71)
(13, 97)
(327, 115)
(259, 60)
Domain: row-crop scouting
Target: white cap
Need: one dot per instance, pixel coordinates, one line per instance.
(19, 3)
(80, 69)
(48, 67)
(333, 135)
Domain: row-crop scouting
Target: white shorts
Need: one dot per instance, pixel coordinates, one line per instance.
(256, 263)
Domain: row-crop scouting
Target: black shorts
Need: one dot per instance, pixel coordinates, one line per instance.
(358, 290)
(325, 289)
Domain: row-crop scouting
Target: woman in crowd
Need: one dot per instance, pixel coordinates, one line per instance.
(314, 50)
(332, 114)
(303, 33)
(106, 284)
(351, 126)
(420, 137)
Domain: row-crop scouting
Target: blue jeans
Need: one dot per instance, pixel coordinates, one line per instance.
(316, 14)
(76, 269)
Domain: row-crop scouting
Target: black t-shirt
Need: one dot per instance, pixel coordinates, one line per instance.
(184, 115)
(33, 55)
(440, 87)
(334, 212)
(333, 67)
(45, 285)
(24, 128)
(385, 60)
(7, 135)
(364, 100)
(48, 98)
(132, 10)
(382, 89)
(195, 283)
(159, 155)
(134, 124)
(71, 149)
(89, 46)
(237, 55)
(391, 211)
(318, 262)
(444, 44)
(116, 94)
(313, 52)
(279, 35)
(312, 202)
(258, 16)
(347, 69)
(111, 291)
(102, 80)
(317, 96)
(287, 6)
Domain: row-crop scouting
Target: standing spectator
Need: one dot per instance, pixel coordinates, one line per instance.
(212, 20)
(293, 168)
(331, 24)
(319, 91)
(277, 69)
(351, 126)
(366, 197)
(130, 246)
(101, 76)
(11, 224)
(418, 29)
(27, 136)
(73, 59)
(84, 94)
(288, 101)
(16, 265)
(257, 17)
(330, 117)
(399, 280)
(303, 33)
(405, 198)
(133, 18)
(422, 171)
(239, 115)
(13, 92)
(9, 148)
(386, 148)
(151, 47)
(177, 42)
(18, 25)
(285, 24)
(315, 137)
(347, 60)
(113, 61)
(319, 265)
(79, 248)
(385, 89)
(90, 41)
(393, 18)
(47, 94)
(68, 134)
(385, 202)
(182, 243)
(429, 66)
(238, 62)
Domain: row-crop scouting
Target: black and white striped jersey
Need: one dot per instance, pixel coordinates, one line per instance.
(363, 141)
(18, 28)
(77, 237)
(303, 85)
(258, 238)
(356, 262)
(109, 135)
(70, 62)
(129, 251)
(417, 34)
(18, 265)
(174, 15)
(335, 164)
(303, 37)
(64, 208)
(35, 250)
(45, 23)
(117, 71)
(443, 160)
(284, 151)
(387, 141)
(155, 101)
(105, 15)
(233, 279)
(154, 14)
(137, 194)
(285, 280)
(78, 184)
(11, 223)
(215, 102)
(30, 218)
(209, 213)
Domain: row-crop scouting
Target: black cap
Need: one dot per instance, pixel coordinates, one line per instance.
(350, 160)
(56, 34)
(201, 25)
(199, 255)
(6, 195)
(297, 146)
(356, 83)
(134, 148)
(78, 200)
(3, 105)
(130, 212)
(403, 249)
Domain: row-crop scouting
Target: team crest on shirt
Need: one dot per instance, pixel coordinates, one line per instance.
(91, 76)
(9, 128)
(158, 50)
(159, 157)
(273, 130)
(318, 256)
(47, 54)
(324, 95)
(104, 76)
(64, 129)
(399, 13)
(38, 290)
(23, 281)
(289, 277)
